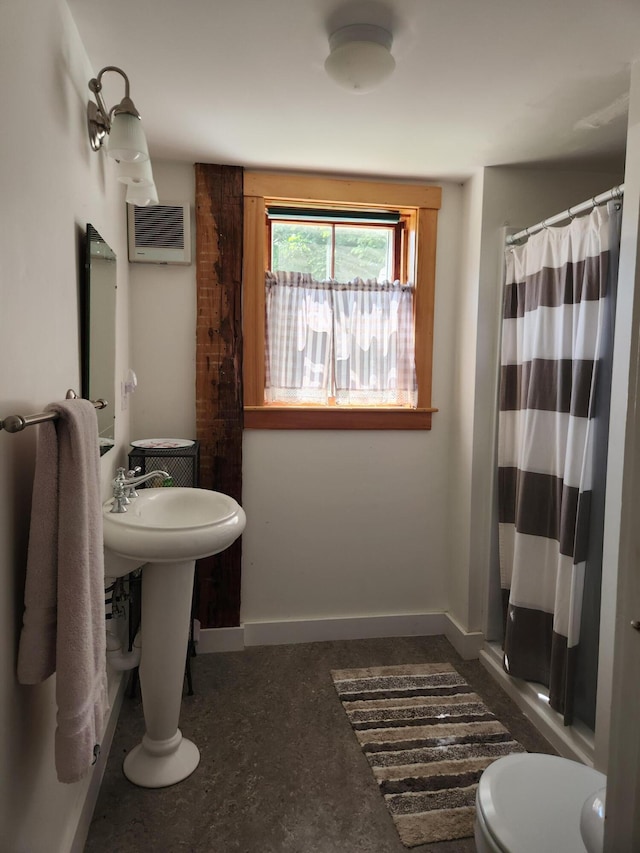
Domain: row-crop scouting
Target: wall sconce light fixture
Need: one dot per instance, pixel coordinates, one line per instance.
(360, 58)
(126, 143)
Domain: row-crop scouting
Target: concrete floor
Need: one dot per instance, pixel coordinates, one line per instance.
(281, 770)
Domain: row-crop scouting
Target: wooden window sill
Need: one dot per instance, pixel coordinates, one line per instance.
(304, 417)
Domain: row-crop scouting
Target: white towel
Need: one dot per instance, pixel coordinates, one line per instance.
(64, 627)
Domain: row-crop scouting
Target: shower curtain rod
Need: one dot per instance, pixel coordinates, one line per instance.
(596, 201)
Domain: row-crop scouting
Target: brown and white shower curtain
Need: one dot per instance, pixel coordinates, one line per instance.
(558, 309)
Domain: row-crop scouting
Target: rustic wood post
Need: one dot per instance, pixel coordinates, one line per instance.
(219, 413)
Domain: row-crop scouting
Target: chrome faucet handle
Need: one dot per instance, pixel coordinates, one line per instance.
(119, 491)
(120, 500)
(130, 491)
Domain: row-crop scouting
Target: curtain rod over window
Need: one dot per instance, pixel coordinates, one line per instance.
(584, 207)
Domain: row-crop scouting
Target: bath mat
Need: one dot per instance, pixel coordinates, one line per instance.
(427, 737)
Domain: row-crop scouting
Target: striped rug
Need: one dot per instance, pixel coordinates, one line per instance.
(427, 737)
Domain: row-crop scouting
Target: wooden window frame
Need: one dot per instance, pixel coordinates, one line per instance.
(419, 205)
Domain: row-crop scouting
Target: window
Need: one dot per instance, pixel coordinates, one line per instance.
(337, 244)
(335, 229)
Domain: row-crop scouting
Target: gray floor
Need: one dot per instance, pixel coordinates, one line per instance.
(281, 771)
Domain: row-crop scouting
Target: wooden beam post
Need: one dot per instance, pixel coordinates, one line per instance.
(219, 403)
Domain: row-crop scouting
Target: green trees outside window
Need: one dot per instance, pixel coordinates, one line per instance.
(327, 250)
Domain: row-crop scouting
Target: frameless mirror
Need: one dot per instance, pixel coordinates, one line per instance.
(98, 332)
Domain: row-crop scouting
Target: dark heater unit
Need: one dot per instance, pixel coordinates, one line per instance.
(181, 463)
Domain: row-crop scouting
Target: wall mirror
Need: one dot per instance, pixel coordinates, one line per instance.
(98, 332)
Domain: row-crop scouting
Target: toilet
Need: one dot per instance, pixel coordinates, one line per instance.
(534, 803)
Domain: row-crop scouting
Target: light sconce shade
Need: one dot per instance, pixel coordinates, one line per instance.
(126, 143)
(138, 175)
(142, 195)
(135, 172)
(360, 58)
(121, 123)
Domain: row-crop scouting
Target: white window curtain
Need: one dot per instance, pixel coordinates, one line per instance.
(350, 341)
(299, 339)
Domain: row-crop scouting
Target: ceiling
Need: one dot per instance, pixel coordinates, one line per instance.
(477, 82)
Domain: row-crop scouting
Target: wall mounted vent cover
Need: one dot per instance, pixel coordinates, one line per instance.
(159, 234)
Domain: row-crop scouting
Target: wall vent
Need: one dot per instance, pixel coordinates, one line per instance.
(159, 234)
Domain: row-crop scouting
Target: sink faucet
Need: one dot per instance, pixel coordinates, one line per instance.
(130, 491)
(124, 488)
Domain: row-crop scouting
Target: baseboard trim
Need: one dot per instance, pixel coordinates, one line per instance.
(349, 628)
(88, 803)
(220, 640)
(466, 643)
(575, 742)
(281, 632)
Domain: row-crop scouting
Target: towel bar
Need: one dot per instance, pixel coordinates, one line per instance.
(16, 423)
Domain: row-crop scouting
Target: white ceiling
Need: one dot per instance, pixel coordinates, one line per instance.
(477, 82)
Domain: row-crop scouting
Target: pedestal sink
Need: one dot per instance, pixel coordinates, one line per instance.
(168, 529)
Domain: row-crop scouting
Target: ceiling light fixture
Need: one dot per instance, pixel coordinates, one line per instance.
(360, 58)
(126, 143)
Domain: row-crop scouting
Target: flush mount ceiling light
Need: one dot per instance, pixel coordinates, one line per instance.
(360, 57)
(126, 143)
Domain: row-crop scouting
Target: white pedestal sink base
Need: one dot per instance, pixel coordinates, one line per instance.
(164, 757)
(167, 530)
(156, 764)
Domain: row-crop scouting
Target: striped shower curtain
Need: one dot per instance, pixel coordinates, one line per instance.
(556, 349)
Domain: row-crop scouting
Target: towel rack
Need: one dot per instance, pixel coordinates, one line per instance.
(16, 423)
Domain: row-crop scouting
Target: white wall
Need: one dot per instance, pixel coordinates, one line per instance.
(343, 524)
(163, 311)
(617, 731)
(339, 523)
(463, 400)
(356, 523)
(52, 185)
